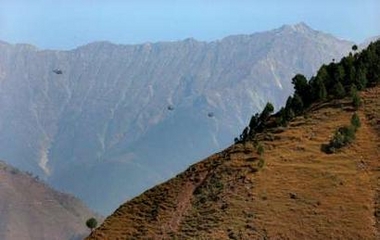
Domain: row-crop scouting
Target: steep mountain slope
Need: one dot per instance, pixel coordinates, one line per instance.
(30, 210)
(368, 41)
(106, 114)
(295, 191)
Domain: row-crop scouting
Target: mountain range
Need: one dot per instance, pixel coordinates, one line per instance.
(119, 119)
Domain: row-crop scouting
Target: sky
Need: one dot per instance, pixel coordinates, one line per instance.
(67, 24)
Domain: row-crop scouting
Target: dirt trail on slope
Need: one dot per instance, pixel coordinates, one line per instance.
(183, 204)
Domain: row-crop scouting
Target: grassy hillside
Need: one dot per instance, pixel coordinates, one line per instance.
(31, 210)
(308, 172)
(295, 192)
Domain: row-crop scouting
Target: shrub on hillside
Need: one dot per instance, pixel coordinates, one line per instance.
(343, 136)
(260, 149)
(355, 121)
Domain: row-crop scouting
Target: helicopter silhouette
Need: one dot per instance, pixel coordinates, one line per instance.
(57, 71)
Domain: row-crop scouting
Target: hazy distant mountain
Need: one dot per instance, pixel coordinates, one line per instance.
(103, 125)
(368, 41)
(30, 210)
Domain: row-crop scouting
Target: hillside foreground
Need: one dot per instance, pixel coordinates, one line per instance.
(31, 210)
(292, 191)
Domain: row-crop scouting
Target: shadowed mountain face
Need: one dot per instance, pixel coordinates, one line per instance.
(101, 128)
(30, 210)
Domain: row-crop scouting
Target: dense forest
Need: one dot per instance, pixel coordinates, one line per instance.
(337, 80)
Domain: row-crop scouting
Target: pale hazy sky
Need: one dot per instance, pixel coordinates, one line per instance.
(66, 24)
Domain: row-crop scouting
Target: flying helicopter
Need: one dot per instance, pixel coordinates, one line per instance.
(170, 108)
(210, 114)
(57, 71)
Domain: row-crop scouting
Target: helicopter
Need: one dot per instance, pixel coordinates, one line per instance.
(57, 71)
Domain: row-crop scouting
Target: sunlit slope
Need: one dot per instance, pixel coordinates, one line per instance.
(295, 191)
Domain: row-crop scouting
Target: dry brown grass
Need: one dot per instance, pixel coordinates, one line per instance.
(293, 191)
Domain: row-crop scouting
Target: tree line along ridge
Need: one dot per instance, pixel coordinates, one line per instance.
(337, 80)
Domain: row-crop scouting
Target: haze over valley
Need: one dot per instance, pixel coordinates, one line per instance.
(120, 119)
(189, 119)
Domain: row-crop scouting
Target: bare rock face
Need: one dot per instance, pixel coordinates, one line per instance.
(30, 210)
(102, 124)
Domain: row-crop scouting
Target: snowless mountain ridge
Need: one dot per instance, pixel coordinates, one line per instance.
(103, 124)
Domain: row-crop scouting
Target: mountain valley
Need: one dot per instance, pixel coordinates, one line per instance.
(102, 124)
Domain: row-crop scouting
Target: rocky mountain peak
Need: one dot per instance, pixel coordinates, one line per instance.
(299, 27)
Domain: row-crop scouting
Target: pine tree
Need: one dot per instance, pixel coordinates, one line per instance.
(361, 79)
(268, 109)
(322, 92)
(297, 104)
(339, 73)
(302, 88)
(318, 89)
(339, 91)
(324, 76)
